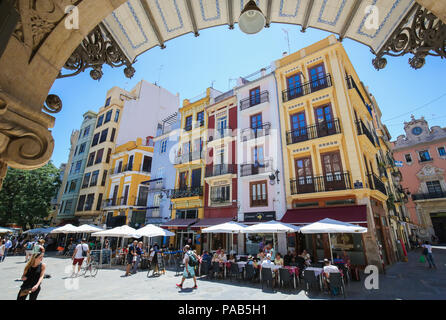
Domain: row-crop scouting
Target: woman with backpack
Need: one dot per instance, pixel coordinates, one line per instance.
(29, 246)
(190, 262)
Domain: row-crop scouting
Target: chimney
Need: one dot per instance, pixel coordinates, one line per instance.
(284, 54)
(263, 71)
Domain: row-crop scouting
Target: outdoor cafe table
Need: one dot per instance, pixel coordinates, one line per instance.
(317, 273)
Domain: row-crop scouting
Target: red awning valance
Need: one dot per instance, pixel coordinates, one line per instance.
(209, 222)
(178, 223)
(350, 214)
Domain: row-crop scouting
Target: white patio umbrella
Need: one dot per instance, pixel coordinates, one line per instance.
(332, 226)
(5, 230)
(227, 227)
(152, 230)
(271, 227)
(120, 232)
(66, 229)
(86, 228)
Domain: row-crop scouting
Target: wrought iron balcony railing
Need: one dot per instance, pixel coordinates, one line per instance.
(375, 183)
(188, 157)
(186, 192)
(430, 195)
(116, 202)
(362, 130)
(254, 100)
(329, 182)
(307, 88)
(220, 169)
(128, 168)
(257, 132)
(322, 129)
(256, 168)
(220, 134)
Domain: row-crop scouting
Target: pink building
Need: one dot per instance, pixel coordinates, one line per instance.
(423, 154)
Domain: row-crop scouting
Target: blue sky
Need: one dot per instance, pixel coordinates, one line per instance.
(190, 64)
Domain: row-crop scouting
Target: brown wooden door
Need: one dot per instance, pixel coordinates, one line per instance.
(333, 174)
(304, 175)
(298, 127)
(325, 125)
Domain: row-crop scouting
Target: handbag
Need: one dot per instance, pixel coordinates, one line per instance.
(422, 259)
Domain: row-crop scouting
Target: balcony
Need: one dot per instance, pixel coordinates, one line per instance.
(220, 169)
(430, 195)
(322, 129)
(220, 134)
(186, 192)
(306, 88)
(188, 157)
(351, 84)
(375, 183)
(127, 168)
(257, 132)
(329, 182)
(188, 127)
(362, 130)
(425, 160)
(220, 200)
(117, 202)
(254, 100)
(254, 169)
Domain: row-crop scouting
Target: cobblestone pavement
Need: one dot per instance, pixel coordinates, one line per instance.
(404, 280)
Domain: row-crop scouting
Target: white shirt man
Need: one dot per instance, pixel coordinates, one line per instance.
(78, 257)
(428, 247)
(267, 263)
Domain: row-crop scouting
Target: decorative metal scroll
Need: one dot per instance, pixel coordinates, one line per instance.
(95, 50)
(425, 36)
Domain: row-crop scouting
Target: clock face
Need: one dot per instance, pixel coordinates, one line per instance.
(416, 131)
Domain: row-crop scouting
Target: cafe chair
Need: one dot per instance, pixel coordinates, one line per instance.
(336, 283)
(267, 275)
(344, 270)
(178, 266)
(205, 268)
(285, 277)
(310, 280)
(235, 271)
(250, 272)
(215, 269)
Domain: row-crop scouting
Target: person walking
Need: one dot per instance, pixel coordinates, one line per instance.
(80, 253)
(32, 277)
(190, 262)
(427, 251)
(2, 249)
(8, 246)
(139, 252)
(29, 245)
(131, 255)
(39, 246)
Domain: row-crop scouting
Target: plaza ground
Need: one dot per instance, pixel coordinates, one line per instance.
(404, 280)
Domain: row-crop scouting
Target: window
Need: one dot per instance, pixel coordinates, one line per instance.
(220, 194)
(147, 164)
(86, 180)
(72, 168)
(89, 202)
(160, 173)
(163, 146)
(68, 206)
(188, 123)
(98, 206)
(66, 187)
(258, 194)
(254, 96)
(112, 137)
(441, 152)
(73, 185)
(101, 118)
(196, 178)
(99, 156)
(222, 125)
(86, 131)
(107, 102)
(75, 151)
(82, 148)
(108, 116)
(408, 157)
(104, 178)
(126, 194)
(94, 178)
(187, 214)
(183, 180)
(117, 115)
(78, 166)
(108, 155)
(258, 156)
(142, 196)
(103, 136)
(80, 204)
(95, 139)
(433, 187)
(424, 156)
(90, 159)
(200, 118)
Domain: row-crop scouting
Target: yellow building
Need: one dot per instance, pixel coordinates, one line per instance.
(103, 143)
(187, 197)
(331, 152)
(126, 201)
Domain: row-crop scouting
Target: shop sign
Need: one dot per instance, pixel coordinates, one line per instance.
(260, 216)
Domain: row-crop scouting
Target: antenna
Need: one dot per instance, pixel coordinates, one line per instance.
(287, 38)
(159, 74)
(212, 83)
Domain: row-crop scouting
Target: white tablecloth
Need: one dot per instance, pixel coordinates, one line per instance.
(317, 271)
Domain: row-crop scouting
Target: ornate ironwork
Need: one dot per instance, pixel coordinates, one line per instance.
(95, 50)
(426, 35)
(53, 104)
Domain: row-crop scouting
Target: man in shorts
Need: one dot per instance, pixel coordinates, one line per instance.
(189, 271)
(80, 253)
(131, 257)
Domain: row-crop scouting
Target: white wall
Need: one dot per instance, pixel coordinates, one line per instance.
(140, 117)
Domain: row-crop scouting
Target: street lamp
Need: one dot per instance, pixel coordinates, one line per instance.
(274, 176)
(251, 19)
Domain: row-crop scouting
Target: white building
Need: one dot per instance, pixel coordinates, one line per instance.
(261, 188)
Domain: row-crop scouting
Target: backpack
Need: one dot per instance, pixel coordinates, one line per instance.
(84, 253)
(30, 246)
(425, 251)
(192, 260)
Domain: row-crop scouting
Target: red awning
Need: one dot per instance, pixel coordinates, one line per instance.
(178, 223)
(209, 222)
(350, 214)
